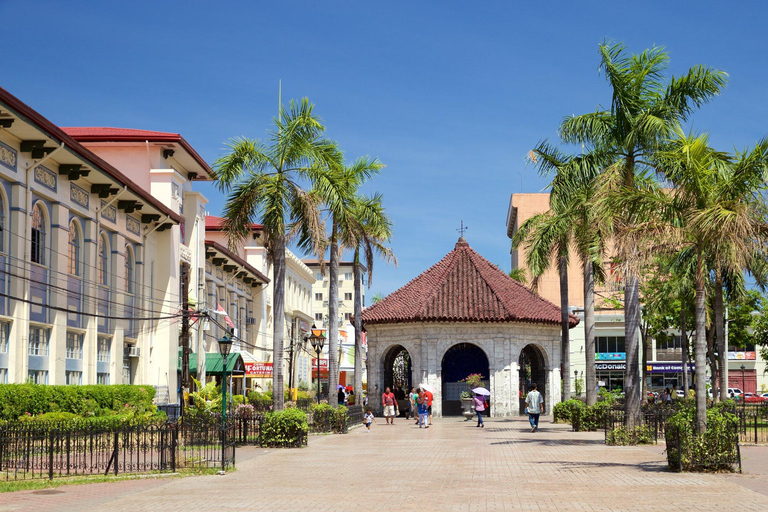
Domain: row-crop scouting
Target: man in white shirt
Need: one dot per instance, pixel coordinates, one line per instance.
(534, 406)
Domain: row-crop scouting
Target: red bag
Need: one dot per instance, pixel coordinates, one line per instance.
(485, 405)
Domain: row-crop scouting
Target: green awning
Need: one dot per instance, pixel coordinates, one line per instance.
(214, 363)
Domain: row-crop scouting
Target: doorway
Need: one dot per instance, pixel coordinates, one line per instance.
(458, 362)
(532, 371)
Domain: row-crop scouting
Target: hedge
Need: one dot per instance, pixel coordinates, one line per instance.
(286, 428)
(329, 419)
(18, 400)
(716, 450)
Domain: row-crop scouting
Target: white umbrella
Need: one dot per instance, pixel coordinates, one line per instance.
(427, 387)
(481, 391)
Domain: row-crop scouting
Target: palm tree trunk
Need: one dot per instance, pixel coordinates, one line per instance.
(333, 321)
(589, 332)
(278, 322)
(684, 343)
(722, 350)
(358, 326)
(632, 388)
(565, 350)
(713, 365)
(644, 367)
(701, 348)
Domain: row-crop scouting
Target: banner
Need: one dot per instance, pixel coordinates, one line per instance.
(610, 356)
(749, 356)
(323, 368)
(258, 370)
(668, 367)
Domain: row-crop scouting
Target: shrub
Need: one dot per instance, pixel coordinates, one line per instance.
(716, 450)
(563, 411)
(590, 418)
(329, 419)
(285, 428)
(623, 436)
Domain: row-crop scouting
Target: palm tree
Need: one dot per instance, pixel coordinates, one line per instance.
(343, 216)
(644, 111)
(368, 235)
(264, 183)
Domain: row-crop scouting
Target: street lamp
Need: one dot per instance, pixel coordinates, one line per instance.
(317, 340)
(575, 378)
(225, 345)
(743, 387)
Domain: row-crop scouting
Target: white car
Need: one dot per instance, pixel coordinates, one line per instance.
(680, 393)
(764, 396)
(734, 392)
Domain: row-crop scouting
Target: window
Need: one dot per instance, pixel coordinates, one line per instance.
(348, 276)
(128, 276)
(5, 329)
(318, 296)
(609, 344)
(347, 296)
(38, 341)
(38, 376)
(38, 234)
(74, 248)
(103, 259)
(319, 276)
(318, 317)
(73, 378)
(74, 345)
(104, 346)
(347, 316)
(102, 378)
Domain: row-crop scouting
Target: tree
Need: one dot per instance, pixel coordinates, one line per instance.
(519, 275)
(644, 111)
(264, 183)
(369, 230)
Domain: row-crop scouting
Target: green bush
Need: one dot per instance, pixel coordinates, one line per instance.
(590, 418)
(329, 419)
(18, 400)
(563, 411)
(284, 428)
(716, 450)
(623, 436)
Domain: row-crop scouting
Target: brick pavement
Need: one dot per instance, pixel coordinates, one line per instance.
(451, 466)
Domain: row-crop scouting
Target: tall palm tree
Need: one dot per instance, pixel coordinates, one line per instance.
(264, 183)
(645, 109)
(342, 212)
(368, 235)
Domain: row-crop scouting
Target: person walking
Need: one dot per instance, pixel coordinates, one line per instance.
(368, 419)
(389, 403)
(418, 398)
(429, 396)
(534, 406)
(413, 399)
(479, 408)
(423, 411)
(340, 396)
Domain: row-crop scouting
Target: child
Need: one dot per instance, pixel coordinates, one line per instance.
(423, 412)
(368, 419)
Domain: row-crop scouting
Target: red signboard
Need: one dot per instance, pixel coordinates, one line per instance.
(323, 368)
(258, 369)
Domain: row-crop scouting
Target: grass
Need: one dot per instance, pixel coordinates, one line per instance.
(29, 485)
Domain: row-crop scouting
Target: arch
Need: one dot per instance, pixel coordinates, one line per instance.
(398, 370)
(103, 259)
(532, 366)
(128, 275)
(458, 362)
(74, 265)
(38, 231)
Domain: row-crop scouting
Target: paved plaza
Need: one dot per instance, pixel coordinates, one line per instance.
(450, 466)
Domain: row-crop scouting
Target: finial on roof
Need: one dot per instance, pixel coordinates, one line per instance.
(461, 231)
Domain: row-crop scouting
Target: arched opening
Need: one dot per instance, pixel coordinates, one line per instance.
(458, 362)
(532, 371)
(398, 375)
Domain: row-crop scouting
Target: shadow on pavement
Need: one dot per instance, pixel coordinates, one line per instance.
(651, 467)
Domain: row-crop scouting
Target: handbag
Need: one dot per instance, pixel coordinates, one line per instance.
(485, 405)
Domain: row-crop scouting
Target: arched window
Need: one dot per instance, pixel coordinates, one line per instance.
(129, 262)
(38, 234)
(75, 242)
(103, 260)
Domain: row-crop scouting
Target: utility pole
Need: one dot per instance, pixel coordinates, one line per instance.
(184, 337)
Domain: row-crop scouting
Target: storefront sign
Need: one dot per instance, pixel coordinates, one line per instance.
(668, 367)
(749, 356)
(611, 366)
(323, 368)
(610, 356)
(258, 370)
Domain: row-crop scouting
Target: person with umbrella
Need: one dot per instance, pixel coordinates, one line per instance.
(480, 407)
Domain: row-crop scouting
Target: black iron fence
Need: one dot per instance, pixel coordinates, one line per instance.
(753, 423)
(653, 422)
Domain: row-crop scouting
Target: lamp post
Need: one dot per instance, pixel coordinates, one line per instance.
(575, 378)
(225, 344)
(317, 340)
(743, 387)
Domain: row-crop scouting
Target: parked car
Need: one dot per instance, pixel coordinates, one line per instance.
(764, 396)
(734, 392)
(752, 398)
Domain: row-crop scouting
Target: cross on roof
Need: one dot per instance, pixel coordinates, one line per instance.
(462, 229)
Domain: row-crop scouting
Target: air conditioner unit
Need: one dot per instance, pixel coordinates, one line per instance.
(132, 351)
(249, 320)
(325, 303)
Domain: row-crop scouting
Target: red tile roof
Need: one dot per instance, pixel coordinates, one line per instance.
(213, 223)
(464, 287)
(109, 134)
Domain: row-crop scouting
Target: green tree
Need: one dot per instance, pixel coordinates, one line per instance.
(263, 181)
(645, 110)
(519, 275)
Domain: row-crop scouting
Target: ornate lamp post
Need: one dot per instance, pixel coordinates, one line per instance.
(225, 344)
(575, 378)
(743, 387)
(317, 340)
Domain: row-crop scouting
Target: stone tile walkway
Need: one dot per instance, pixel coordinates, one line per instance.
(451, 466)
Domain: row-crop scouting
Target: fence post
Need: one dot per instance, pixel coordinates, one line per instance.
(116, 449)
(174, 446)
(755, 426)
(50, 454)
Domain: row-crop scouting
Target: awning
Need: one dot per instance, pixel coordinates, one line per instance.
(214, 363)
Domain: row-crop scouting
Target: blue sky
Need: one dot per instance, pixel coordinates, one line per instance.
(449, 95)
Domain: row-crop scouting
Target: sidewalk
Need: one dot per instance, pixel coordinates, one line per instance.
(450, 466)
